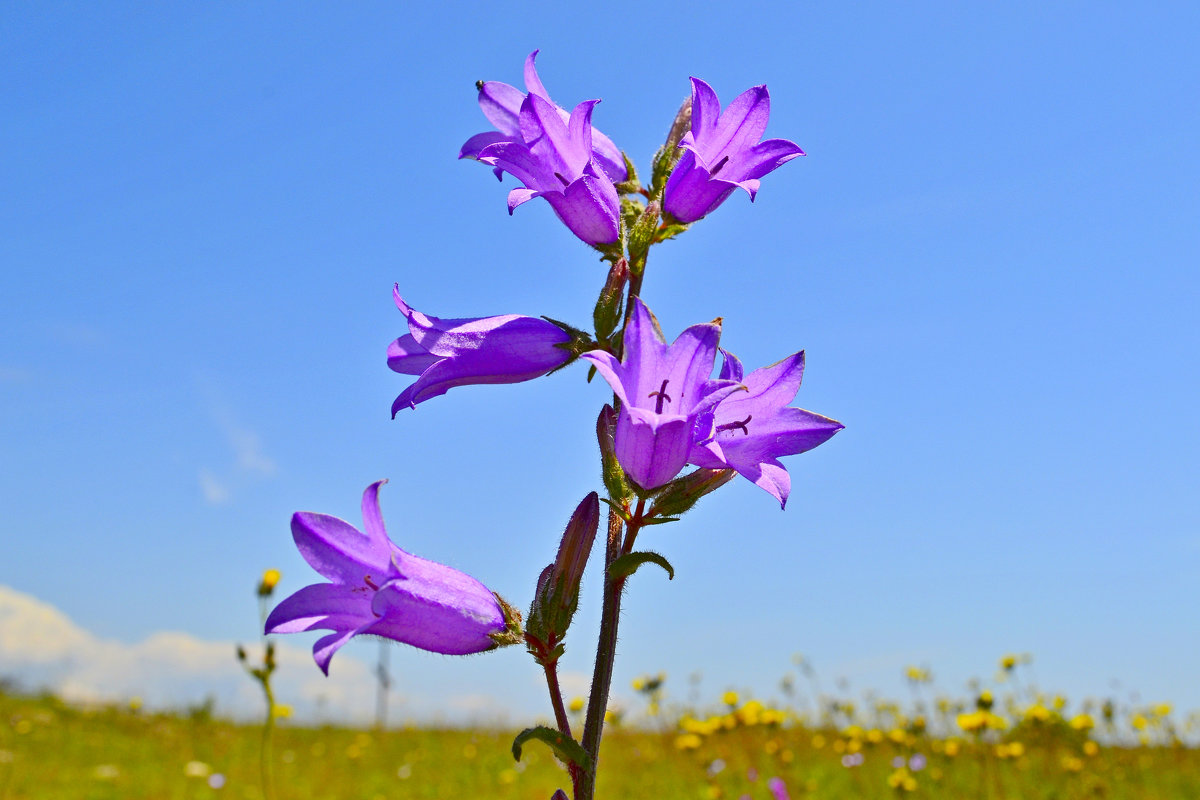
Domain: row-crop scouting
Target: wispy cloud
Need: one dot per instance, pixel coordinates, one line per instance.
(248, 458)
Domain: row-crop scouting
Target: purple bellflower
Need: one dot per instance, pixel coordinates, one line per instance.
(501, 104)
(376, 588)
(664, 391)
(750, 430)
(454, 352)
(555, 161)
(723, 152)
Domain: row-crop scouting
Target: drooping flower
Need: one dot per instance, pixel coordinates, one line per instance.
(501, 104)
(750, 430)
(454, 352)
(723, 152)
(376, 588)
(554, 160)
(664, 389)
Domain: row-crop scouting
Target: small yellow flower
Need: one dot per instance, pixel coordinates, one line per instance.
(1008, 663)
(730, 699)
(1139, 722)
(1072, 763)
(270, 578)
(638, 684)
(1083, 722)
(688, 741)
(282, 711)
(1162, 710)
(1090, 748)
(953, 746)
(576, 705)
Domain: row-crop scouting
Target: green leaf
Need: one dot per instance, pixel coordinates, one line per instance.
(626, 565)
(659, 520)
(566, 748)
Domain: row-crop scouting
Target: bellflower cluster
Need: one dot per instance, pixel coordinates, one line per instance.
(668, 411)
(558, 156)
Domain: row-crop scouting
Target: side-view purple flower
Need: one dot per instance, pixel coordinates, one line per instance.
(445, 353)
(723, 152)
(376, 588)
(750, 430)
(664, 390)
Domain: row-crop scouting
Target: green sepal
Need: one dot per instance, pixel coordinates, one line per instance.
(670, 228)
(512, 633)
(681, 494)
(612, 251)
(659, 520)
(580, 342)
(626, 565)
(631, 184)
(567, 749)
(591, 373)
(622, 512)
(631, 210)
(642, 235)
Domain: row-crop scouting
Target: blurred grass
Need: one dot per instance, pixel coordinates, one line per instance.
(52, 751)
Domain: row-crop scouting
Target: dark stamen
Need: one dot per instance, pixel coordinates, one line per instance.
(717, 168)
(662, 395)
(561, 178)
(367, 580)
(731, 425)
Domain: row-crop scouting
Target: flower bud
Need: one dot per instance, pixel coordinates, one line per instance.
(557, 594)
(607, 314)
(681, 494)
(614, 476)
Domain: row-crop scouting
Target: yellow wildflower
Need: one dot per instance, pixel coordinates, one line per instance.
(730, 698)
(688, 741)
(1083, 722)
(576, 705)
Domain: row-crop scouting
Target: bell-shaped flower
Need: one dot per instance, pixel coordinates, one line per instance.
(664, 390)
(723, 152)
(501, 104)
(750, 430)
(554, 160)
(445, 353)
(376, 588)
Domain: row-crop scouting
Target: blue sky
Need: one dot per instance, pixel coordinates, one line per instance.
(988, 254)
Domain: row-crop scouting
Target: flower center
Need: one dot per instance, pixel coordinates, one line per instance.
(717, 168)
(662, 396)
(728, 426)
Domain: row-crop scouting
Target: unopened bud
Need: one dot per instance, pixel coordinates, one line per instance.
(557, 594)
(641, 235)
(667, 155)
(609, 305)
(614, 476)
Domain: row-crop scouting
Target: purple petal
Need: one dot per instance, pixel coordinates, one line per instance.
(609, 157)
(437, 608)
(519, 196)
(501, 104)
(326, 646)
(691, 193)
(409, 358)
(611, 370)
(533, 83)
(373, 518)
(476, 143)
(731, 368)
(706, 109)
(548, 139)
(589, 206)
(689, 361)
(652, 448)
(579, 127)
(328, 606)
(336, 549)
(741, 126)
(763, 158)
(520, 162)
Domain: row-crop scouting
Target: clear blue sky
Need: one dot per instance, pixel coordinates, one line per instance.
(989, 255)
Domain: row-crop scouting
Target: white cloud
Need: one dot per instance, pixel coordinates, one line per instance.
(41, 648)
(247, 455)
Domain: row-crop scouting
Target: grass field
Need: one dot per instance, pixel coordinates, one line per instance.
(983, 747)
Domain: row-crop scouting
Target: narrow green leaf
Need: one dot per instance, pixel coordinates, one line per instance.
(566, 748)
(628, 564)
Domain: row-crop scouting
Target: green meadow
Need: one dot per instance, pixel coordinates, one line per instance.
(978, 747)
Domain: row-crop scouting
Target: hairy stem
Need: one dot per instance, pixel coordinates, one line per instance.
(560, 715)
(606, 648)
